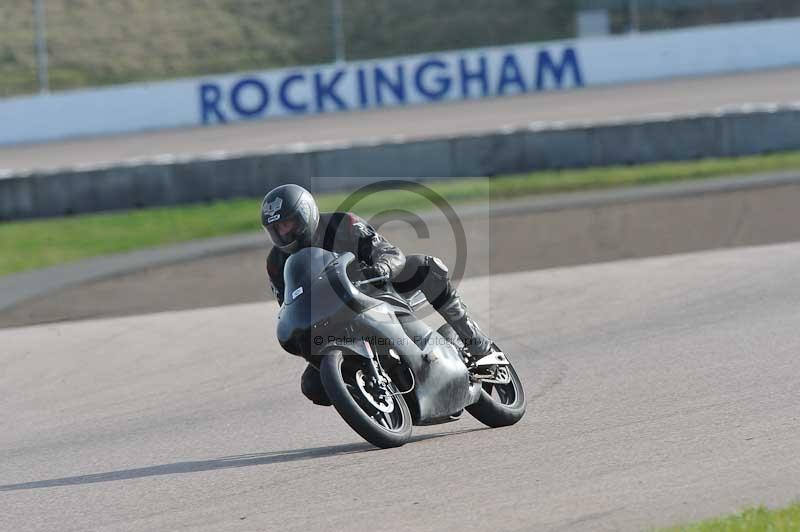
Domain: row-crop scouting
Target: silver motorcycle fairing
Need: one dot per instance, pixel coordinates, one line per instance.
(447, 386)
(442, 382)
(442, 386)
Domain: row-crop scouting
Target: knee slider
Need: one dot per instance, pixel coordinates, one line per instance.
(437, 283)
(437, 268)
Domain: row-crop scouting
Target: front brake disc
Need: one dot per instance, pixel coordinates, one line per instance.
(384, 403)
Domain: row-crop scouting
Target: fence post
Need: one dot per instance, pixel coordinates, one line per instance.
(337, 33)
(633, 15)
(41, 46)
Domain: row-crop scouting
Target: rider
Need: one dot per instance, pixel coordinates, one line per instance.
(292, 220)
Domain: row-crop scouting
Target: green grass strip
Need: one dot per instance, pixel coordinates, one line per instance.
(752, 520)
(39, 243)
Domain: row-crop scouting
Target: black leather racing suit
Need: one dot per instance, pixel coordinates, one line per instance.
(341, 232)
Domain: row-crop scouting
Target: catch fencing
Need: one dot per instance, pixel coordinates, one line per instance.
(94, 43)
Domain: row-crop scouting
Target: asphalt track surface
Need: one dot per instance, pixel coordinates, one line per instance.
(660, 391)
(599, 104)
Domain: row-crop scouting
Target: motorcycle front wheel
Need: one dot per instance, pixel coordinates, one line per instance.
(381, 418)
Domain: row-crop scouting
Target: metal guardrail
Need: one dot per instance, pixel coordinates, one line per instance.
(737, 133)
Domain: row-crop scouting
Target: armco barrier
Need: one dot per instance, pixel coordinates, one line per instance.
(743, 132)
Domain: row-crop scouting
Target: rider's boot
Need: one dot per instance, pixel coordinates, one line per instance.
(476, 343)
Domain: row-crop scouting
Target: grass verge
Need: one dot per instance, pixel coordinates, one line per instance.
(753, 520)
(35, 244)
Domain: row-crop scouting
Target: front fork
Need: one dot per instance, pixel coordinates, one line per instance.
(376, 372)
(377, 377)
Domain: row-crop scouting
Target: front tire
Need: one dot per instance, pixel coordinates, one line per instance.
(340, 378)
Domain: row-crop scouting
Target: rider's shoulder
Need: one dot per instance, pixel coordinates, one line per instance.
(275, 259)
(337, 218)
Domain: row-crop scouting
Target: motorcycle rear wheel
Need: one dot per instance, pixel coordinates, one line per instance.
(500, 405)
(340, 378)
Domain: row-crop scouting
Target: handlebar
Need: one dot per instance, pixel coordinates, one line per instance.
(359, 284)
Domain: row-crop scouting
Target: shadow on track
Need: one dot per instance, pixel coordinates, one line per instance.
(244, 460)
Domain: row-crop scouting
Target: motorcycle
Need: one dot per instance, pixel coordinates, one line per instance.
(384, 369)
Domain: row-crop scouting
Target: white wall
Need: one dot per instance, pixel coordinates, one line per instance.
(408, 80)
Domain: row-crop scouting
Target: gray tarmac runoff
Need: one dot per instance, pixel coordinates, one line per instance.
(661, 391)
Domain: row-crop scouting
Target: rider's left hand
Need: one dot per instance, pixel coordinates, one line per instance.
(372, 271)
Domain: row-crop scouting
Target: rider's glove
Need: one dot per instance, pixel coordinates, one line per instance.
(372, 271)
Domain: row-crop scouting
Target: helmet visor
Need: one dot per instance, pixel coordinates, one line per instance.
(286, 230)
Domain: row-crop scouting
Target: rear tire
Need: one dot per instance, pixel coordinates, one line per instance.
(338, 374)
(492, 410)
(500, 405)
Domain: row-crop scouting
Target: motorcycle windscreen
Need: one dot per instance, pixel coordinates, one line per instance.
(302, 268)
(313, 294)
